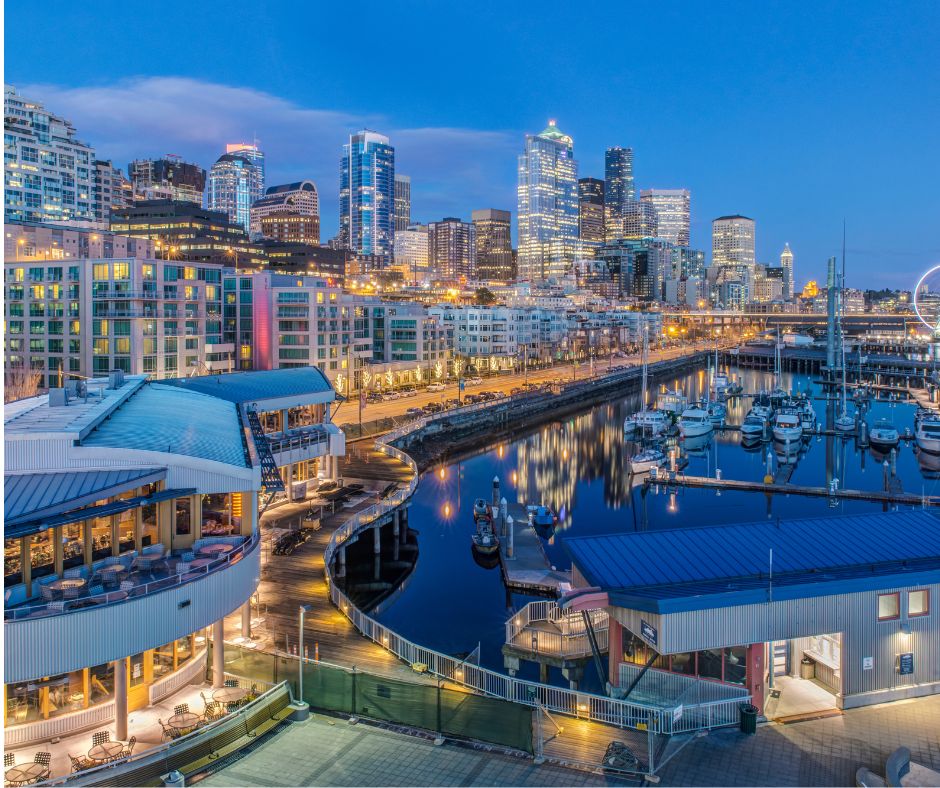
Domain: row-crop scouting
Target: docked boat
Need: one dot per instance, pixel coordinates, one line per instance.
(927, 432)
(845, 422)
(716, 411)
(541, 516)
(734, 388)
(646, 422)
(884, 435)
(646, 460)
(694, 422)
(753, 426)
(672, 402)
(482, 510)
(485, 540)
(807, 417)
(788, 427)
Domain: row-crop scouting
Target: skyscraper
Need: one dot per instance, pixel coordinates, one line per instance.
(591, 210)
(296, 199)
(169, 178)
(548, 205)
(402, 202)
(367, 195)
(412, 253)
(733, 241)
(618, 182)
(452, 249)
(639, 221)
(255, 155)
(493, 244)
(230, 187)
(672, 213)
(48, 173)
(786, 263)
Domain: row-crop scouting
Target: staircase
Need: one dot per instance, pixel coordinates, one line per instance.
(270, 477)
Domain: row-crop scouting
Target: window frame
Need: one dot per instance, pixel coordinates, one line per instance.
(897, 615)
(926, 611)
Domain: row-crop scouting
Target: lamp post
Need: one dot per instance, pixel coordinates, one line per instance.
(304, 609)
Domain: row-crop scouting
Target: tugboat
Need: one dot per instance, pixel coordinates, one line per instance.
(482, 509)
(485, 540)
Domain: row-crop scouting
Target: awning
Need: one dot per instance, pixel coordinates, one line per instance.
(105, 510)
(28, 497)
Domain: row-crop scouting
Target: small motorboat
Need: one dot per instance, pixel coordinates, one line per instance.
(807, 417)
(753, 426)
(646, 460)
(788, 427)
(884, 435)
(694, 422)
(716, 411)
(485, 540)
(541, 516)
(482, 510)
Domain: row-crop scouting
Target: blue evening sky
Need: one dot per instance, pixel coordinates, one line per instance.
(794, 114)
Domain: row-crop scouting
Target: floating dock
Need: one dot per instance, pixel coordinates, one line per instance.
(528, 570)
(890, 496)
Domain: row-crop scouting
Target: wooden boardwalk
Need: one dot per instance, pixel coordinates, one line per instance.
(528, 570)
(795, 489)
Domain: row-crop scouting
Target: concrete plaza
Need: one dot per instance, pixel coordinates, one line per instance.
(328, 751)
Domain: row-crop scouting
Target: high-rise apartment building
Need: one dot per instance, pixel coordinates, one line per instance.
(169, 178)
(672, 213)
(367, 195)
(412, 253)
(118, 309)
(49, 175)
(255, 155)
(112, 191)
(230, 188)
(638, 220)
(548, 205)
(591, 210)
(402, 202)
(618, 183)
(786, 263)
(452, 250)
(733, 241)
(493, 245)
(299, 200)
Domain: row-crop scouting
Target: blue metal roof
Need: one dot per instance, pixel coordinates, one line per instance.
(716, 566)
(30, 496)
(242, 387)
(168, 419)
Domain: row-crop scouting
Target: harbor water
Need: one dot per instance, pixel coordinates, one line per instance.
(578, 467)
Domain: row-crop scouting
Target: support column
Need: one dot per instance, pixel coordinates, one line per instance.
(218, 653)
(402, 516)
(614, 651)
(120, 699)
(395, 536)
(755, 674)
(377, 551)
(246, 619)
(57, 551)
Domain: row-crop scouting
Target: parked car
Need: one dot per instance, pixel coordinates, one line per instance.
(414, 412)
(408, 392)
(451, 403)
(390, 395)
(373, 396)
(514, 391)
(433, 407)
(436, 387)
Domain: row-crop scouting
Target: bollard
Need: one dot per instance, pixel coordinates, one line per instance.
(510, 529)
(894, 462)
(495, 491)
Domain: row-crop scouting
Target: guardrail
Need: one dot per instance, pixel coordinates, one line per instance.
(571, 639)
(117, 597)
(299, 440)
(599, 708)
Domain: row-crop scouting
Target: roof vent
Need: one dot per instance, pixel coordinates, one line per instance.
(116, 379)
(58, 398)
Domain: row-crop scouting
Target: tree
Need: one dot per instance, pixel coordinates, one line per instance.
(19, 383)
(484, 296)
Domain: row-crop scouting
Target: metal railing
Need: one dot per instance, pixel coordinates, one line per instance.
(299, 438)
(611, 711)
(116, 597)
(570, 638)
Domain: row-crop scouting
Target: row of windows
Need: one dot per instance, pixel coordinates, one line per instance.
(889, 605)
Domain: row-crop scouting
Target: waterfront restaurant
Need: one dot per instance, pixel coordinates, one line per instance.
(834, 612)
(130, 532)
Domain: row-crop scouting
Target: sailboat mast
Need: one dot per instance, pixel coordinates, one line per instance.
(646, 332)
(842, 319)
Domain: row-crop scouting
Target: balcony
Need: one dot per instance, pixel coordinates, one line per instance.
(57, 637)
(305, 443)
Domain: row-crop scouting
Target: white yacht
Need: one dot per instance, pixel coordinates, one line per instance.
(694, 422)
(788, 427)
(884, 435)
(716, 411)
(673, 402)
(927, 431)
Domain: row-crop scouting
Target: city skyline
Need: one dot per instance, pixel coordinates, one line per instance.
(772, 130)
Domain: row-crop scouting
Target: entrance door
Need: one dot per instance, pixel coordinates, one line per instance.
(139, 679)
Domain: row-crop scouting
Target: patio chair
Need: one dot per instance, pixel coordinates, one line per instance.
(126, 585)
(73, 574)
(46, 593)
(168, 733)
(96, 589)
(79, 763)
(129, 749)
(43, 759)
(112, 560)
(213, 711)
(182, 567)
(183, 708)
(71, 593)
(188, 556)
(9, 759)
(231, 682)
(100, 737)
(56, 607)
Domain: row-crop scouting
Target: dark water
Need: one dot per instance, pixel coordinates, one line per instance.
(577, 466)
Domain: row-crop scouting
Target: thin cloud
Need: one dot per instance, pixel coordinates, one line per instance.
(453, 170)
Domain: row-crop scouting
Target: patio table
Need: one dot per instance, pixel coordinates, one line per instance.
(112, 574)
(145, 561)
(184, 721)
(26, 773)
(215, 550)
(67, 583)
(106, 751)
(229, 694)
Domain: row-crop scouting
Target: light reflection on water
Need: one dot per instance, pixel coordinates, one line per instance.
(577, 467)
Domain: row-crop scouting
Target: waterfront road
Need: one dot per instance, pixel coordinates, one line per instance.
(348, 412)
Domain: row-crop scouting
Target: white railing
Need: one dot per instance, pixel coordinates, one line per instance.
(570, 639)
(626, 714)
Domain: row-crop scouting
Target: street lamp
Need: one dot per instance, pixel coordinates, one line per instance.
(304, 609)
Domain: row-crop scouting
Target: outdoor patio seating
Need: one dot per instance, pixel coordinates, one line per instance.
(9, 759)
(169, 733)
(100, 737)
(182, 708)
(80, 763)
(129, 749)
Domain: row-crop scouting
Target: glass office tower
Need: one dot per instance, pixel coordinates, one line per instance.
(367, 195)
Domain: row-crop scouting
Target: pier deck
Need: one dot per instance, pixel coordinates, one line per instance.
(892, 496)
(528, 570)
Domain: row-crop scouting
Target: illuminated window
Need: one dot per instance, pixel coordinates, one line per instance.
(122, 271)
(889, 606)
(99, 272)
(918, 603)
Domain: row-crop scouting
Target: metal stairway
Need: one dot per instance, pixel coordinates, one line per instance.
(270, 476)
